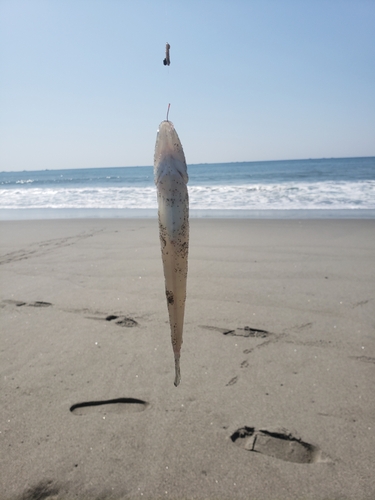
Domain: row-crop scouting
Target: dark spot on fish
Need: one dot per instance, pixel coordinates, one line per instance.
(170, 297)
(162, 240)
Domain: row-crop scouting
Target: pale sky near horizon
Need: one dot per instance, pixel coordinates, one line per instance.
(83, 82)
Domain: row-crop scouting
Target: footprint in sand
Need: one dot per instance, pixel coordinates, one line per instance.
(126, 321)
(279, 444)
(19, 303)
(247, 351)
(364, 359)
(246, 331)
(46, 489)
(120, 405)
(122, 320)
(232, 381)
(39, 303)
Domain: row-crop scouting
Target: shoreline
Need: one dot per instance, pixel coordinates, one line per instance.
(94, 213)
(279, 349)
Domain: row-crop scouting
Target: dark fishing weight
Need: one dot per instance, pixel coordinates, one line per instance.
(167, 60)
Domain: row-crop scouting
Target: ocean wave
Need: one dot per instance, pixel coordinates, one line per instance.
(284, 196)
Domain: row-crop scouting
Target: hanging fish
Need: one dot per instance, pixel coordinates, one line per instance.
(171, 179)
(167, 61)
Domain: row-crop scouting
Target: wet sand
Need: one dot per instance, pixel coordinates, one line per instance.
(278, 362)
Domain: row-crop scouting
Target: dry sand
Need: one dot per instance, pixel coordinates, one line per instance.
(278, 362)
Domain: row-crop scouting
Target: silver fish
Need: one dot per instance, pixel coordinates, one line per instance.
(170, 173)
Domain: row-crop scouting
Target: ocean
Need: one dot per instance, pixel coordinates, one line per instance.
(313, 188)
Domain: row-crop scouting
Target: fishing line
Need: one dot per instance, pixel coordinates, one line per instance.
(166, 60)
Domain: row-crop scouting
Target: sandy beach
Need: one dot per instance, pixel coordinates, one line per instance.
(278, 362)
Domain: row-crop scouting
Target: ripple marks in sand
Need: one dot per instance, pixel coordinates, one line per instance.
(281, 445)
(119, 405)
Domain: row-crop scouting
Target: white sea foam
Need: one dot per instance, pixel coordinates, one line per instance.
(27, 181)
(283, 196)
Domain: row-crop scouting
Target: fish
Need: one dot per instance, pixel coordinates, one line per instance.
(171, 178)
(167, 60)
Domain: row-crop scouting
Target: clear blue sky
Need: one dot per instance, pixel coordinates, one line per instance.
(82, 82)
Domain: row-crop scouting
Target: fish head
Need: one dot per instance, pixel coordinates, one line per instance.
(169, 157)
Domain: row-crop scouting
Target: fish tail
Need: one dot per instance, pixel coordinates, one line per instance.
(177, 379)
